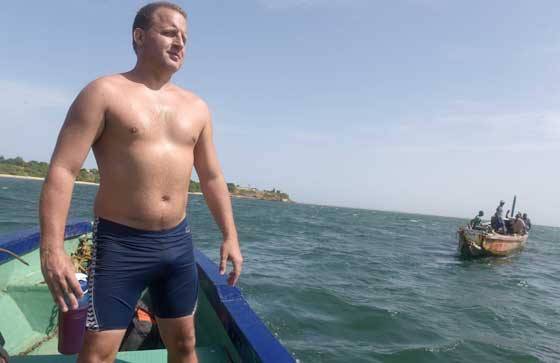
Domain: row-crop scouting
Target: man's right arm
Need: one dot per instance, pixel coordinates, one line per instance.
(83, 126)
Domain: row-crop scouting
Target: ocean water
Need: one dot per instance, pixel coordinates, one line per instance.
(350, 285)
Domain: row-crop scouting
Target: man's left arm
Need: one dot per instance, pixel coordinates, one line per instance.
(217, 197)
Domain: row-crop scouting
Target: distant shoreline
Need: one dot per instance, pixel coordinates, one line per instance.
(38, 178)
(18, 168)
(77, 182)
(86, 183)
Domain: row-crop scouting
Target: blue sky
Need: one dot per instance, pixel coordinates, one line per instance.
(428, 106)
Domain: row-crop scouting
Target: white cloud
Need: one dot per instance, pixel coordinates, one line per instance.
(16, 94)
(463, 131)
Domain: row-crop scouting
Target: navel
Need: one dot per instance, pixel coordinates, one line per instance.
(133, 130)
(166, 198)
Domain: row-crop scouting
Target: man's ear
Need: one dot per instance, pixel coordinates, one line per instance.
(139, 35)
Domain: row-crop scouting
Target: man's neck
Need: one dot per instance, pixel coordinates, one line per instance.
(147, 75)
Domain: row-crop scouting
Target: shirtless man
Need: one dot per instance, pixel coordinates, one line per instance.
(146, 135)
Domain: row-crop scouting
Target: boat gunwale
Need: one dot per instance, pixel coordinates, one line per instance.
(27, 240)
(493, 237)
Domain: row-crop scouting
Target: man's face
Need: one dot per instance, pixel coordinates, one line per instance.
(164, 42)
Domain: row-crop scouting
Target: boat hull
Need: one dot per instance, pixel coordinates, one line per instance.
(480, 243)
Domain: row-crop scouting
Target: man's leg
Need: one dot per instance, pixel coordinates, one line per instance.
(101, 346)
(179, 338)
(118, 273)
(175, 294)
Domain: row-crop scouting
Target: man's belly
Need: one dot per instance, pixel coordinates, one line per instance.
(143, 185)
(149, 202)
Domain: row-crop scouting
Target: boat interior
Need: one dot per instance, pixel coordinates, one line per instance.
(29, 320)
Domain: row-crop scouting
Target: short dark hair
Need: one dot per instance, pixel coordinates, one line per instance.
(143, 18)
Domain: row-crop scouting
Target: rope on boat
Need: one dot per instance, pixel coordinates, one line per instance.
(14, 255)
(81, 259)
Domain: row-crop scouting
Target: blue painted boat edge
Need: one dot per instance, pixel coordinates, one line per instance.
(252, 339)
(22, 242)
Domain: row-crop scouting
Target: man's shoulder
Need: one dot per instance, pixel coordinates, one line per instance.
(187, 94)
(190, 98)
(97, 93)
(103, 85)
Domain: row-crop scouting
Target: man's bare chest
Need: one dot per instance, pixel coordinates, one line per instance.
(142, 120)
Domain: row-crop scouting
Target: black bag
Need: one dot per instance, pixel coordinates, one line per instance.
(4, 357)
(142, 332)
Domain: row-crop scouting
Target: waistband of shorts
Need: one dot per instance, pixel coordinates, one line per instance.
(113, 227)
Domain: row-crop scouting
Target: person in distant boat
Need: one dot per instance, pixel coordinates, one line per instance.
(477, 220)
(146, 134)
(499, 224)
(527, 221)
(518, 225)
(508, 222)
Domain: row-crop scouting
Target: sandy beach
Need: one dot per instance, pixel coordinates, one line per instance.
(77, 182)
(37, 178)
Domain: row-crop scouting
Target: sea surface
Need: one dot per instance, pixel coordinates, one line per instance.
(351, 285)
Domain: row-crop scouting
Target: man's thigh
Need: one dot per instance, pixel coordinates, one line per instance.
(177, 331)
(101, 346)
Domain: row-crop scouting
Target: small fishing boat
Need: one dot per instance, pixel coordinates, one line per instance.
(482, 242)
(228, 330)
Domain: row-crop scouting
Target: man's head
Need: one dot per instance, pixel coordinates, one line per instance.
(145, 17)
(502, 202)
(524, 215)
(159, 37)
(480, 213)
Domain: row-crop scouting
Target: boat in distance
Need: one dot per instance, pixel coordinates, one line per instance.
(228, 330)
(485, 242)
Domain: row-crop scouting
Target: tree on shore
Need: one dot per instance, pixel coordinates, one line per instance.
(19, 167)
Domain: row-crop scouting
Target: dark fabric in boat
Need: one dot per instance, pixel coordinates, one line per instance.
(3, 354)
(142, 334)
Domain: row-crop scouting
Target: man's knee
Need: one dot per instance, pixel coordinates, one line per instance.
(184, 343)
(90, 356)
(84, 358)
(100, 347)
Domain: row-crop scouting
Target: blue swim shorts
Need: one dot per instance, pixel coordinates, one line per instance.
(126, 260)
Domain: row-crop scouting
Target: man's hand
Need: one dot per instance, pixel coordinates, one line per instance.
(230, 251)
(60, 276)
